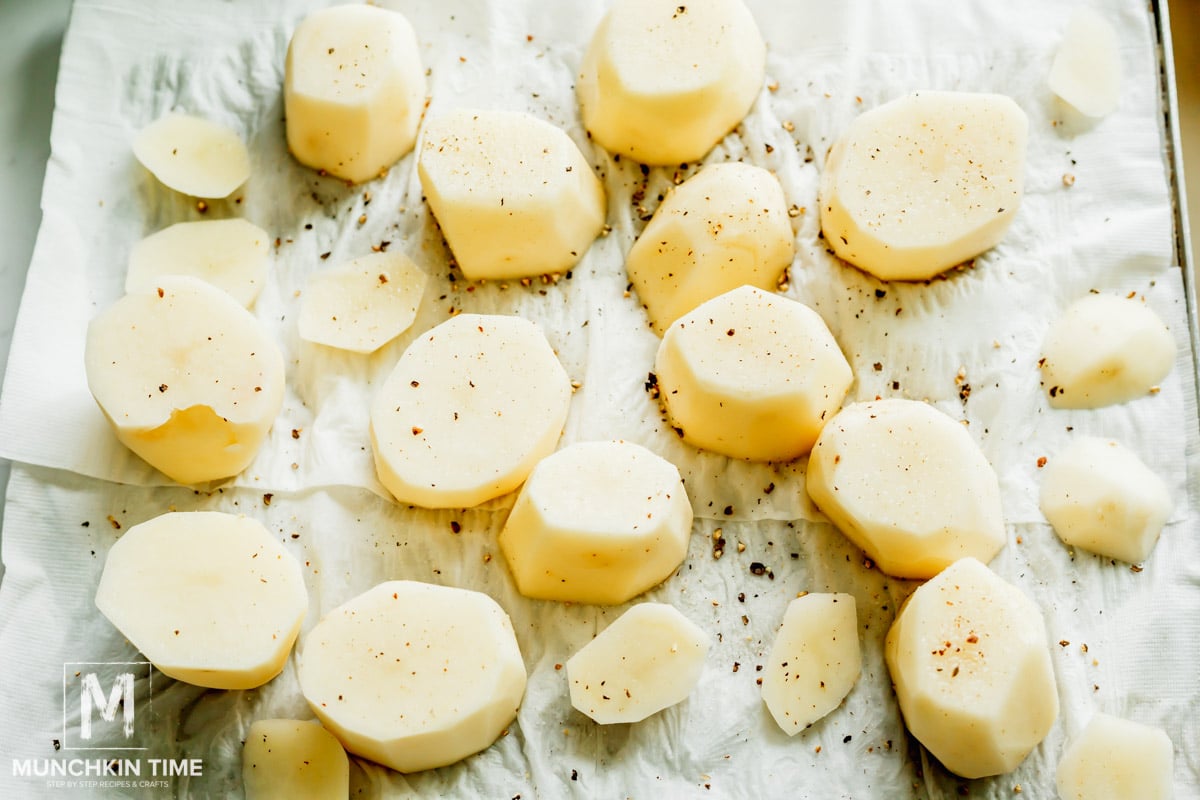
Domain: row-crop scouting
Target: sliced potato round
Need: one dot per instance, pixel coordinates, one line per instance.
(649, 659)
(193, 155)
(469, 409)
(1086, 72)
(663, 82)
(189, 379)
(286, 759)
(1105, 350)
(231, 254)
(1117, 759)
(211, 599)
(363, 304)
(414, 676)
(924, 182)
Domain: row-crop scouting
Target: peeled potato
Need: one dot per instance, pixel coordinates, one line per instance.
(1087, 66)
(663, 82)
(189, 379)
(1116, 759)
(649, 659)
(1101, 497)
(970, 661)
(193, 155)
(814, 662)
(924, 182)
(286, 759)
(597, 522)
(231, 254)
(211, 599)
(751, 375)
(353, 91)
(363, 304)
(414, 676)
(1105, 350)
(469, 409)
(513, 195)
(724, 227)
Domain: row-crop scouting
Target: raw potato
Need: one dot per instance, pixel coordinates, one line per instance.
(649, 659)
(211, 599)
(724, 227)
(663, 82)
(354, 91)
(1117, 759)
(193, 155)
(188, 378)
(414, 676)
(286, 759)
(751, 375)
(970, 662)
(1105, 350)
(1101, 497)
(468, 411)
(814, 662)
(924, 182)
(363, 304)
(513, 195)
(908, 485)
(231, 254)
(597, 522)
(1087, 67)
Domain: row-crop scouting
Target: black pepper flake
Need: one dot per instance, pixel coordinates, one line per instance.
(574, 774)
(758, 568)
(770, 487)
(1053, 391)
(267, 498)
(162, 387)
(652, 385)
(326, 255)
(85, 524)
(295, 433)
(846, 739)
(729, 511)
(455, 526)
(877, 366)
(880, 293)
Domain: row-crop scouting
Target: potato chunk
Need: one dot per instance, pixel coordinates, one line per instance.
(814, 662)
(231, 254)
(924, 182)
(1086, 72)
(353, 90)
(286, 759)
(649, 659)
(469, 409)
(512, 193)
(597, 522)
(724, 227)
(414, 676)
(211, 599)
(193, 155)
(1101, 497)
(663, 82)
(1116, 759)
(908, 485)
(1105, 350)
(971, 665)
(188, 378)
(751, 375)
(363, 304)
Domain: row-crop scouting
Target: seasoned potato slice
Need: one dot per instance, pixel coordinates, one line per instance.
(231, 254)
(1116, 759)
(286, 759)
(1087, 66)
(193, 155)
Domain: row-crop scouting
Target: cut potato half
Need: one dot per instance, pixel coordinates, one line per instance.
(286, 759)
(363, 304)
(193, 155)
(231, 254)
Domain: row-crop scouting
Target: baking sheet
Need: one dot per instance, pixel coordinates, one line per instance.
(126, 63)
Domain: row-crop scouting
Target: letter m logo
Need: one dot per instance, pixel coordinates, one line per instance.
(91, 697)
(99, 704)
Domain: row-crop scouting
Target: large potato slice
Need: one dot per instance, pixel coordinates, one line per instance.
(1086, 72)
(193, 155)
(231, 254)
(1116, 759)
(286, 759)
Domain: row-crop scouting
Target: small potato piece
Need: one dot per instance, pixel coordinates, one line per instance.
(924, 182)
(1105, 350)
(649, 659)
(353, 91)
(751, 375)
(724, 227)
(188, 378)
(211, 599)
(970, 662)
(414, 676)
(814, 662)
(908, 485)
(1116, 759)
(663, 82)
(1101, 497)
(597, 522)
(363, 304)
(512, 193)
(468, 411)
(1086, 72)
(231, 254)
(193, 155)
(286, 759)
